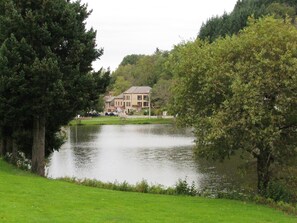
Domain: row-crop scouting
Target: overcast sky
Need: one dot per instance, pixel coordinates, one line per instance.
(140, 26)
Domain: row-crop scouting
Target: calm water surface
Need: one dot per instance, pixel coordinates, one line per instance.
(160, 154)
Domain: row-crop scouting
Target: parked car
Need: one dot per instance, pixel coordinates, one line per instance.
(111, 114)
(92, 114)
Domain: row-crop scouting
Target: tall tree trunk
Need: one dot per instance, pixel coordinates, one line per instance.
(8, 145)
(264, 160)
(14, 151)
(38, 148)
(2, 146)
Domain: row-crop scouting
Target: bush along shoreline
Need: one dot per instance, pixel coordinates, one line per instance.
(184, 188)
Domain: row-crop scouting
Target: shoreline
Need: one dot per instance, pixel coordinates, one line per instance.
(115, 120)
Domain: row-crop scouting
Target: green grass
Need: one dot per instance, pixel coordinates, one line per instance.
(105, 120)
(28, 198)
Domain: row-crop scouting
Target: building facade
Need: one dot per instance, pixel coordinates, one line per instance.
(119, 103)
(135, 98)
(109, 104)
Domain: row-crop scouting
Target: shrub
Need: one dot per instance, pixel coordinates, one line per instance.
(125, 186)
(21, 160)
(142, 187)
(131, 112)
(277, 192)
(183, 188)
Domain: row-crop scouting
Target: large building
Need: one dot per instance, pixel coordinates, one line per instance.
(135, 98)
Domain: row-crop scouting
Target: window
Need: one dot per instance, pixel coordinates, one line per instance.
(139, 104)
(145, 104)
(127, 97)
(128, 104)
(145, 97)
(139, 97)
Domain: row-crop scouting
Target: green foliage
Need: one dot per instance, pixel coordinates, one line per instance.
(131, 59)
(229, 24)
(161, 94)
(131, 112)
(239, 93)
(277, 192)
(100, 104)
(235, 195)
(286, 176)
(120, 85)
(46, 54)
(280, 205)
(281, 11)
(182, 187)
(142, 187)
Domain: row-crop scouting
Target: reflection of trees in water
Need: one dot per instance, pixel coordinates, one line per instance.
(181, 156)
(161, 129)
(234, 173)
(82, 156)
(80, 139)
(83, 133)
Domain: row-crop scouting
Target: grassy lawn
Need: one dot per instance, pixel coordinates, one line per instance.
(106, 120)
(28, 198)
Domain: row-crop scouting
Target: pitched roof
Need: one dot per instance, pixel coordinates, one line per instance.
(121, 96)
(109, 99)
(138, 90)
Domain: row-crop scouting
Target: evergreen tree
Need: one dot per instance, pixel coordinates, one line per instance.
(48, 78)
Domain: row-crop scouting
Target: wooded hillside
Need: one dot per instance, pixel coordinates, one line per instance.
(229, 24)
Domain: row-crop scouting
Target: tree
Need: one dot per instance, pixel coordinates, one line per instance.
(239, 93)
(120, 85)
(281, 11)
(161, 94)
(131, 59)
(52, 76)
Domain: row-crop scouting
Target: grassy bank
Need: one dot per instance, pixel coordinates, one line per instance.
(28, 198)
(106, 120)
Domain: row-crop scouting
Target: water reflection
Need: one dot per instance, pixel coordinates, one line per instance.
(161, 154)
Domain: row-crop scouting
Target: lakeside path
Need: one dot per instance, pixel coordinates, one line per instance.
(115, 120)
(29, 198)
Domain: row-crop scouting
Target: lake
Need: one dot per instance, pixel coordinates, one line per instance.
(160, 154)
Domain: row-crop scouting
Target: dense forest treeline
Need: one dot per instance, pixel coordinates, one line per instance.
(232, 23)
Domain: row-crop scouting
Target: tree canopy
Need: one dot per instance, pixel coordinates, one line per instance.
(46, 74)
(240, 94)
(232, 23)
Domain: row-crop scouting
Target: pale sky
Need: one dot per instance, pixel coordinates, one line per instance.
(127, 27)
